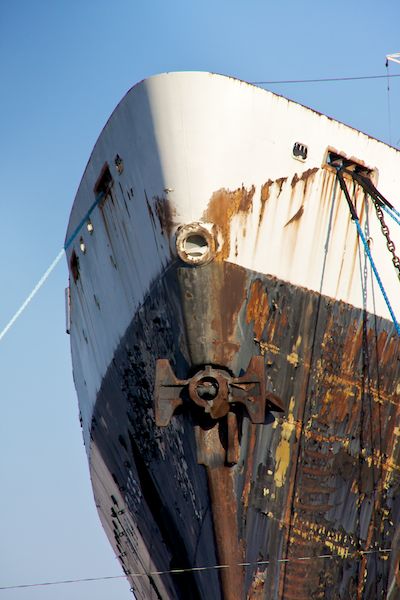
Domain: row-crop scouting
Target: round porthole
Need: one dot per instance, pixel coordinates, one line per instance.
(195, 244)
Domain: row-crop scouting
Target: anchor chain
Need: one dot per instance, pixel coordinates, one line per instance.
(389, 242)
(379, 201)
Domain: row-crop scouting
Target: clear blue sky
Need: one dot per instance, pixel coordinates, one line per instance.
(64, 65)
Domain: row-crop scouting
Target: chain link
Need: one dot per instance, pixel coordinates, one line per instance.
(389, 243)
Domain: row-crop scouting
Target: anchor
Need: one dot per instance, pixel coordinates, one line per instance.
(217, 392)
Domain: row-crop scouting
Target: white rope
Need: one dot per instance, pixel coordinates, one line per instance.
(33, 293)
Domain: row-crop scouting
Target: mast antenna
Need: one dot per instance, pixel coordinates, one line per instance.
(396, 59)
(393, 57)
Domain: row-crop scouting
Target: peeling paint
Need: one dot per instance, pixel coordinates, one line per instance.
(282, 455)
(257, 310)
(223, 205)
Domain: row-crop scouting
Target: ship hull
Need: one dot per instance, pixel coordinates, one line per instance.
(315, 484)
(236, 367)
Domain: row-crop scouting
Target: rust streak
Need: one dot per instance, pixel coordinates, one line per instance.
(296, 216)
(257, 307)
(249, 465)
(303, 177)
(164, 213)
(265, 193)
(223, 206)
(223, 502)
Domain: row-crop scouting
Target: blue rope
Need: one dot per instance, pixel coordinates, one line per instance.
(83, 221)
(396, 212)
(375, 270)
(390, 212)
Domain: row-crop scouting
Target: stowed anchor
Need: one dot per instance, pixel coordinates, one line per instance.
(217, 393)
(215, 396)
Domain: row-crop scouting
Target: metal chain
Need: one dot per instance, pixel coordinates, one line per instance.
(389, 243)
(367, 237)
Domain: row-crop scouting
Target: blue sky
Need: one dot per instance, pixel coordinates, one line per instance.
(64, 66)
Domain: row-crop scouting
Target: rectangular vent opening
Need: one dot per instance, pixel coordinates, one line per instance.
(104, 182)
(334, 159)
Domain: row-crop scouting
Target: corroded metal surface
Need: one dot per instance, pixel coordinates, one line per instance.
(222, 399)
(308, 499)
(323, 479)
(304, 485)
(213, 390)
(320, 480)
(331, 478)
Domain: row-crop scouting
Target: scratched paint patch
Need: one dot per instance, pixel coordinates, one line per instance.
(282, 455)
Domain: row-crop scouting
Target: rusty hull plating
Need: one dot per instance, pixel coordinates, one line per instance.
(331, 454)
(240, 398)
(320, 478)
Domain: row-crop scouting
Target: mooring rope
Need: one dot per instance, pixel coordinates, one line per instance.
(32, 294)
(377, 276)
(51, 268)
(392, 212)
(355, 218)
